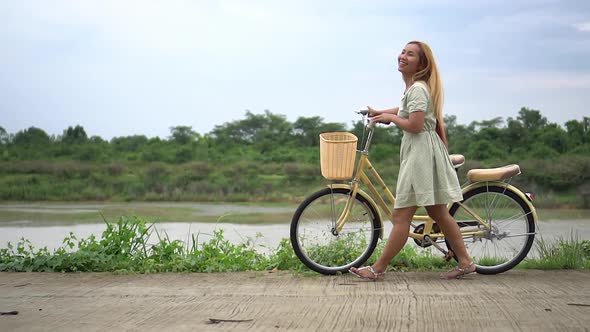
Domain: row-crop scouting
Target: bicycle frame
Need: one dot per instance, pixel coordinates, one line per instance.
(360, 175)
(378, 200)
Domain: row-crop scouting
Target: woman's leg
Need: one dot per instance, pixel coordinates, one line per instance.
(398, 237)
(449, 226)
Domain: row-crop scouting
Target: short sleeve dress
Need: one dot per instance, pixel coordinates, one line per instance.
(426, 175)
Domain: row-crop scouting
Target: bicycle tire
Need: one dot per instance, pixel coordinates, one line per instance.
(505, 202)
(333, 254)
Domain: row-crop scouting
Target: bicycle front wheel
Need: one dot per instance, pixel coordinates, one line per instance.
(511, 227)
(314, 238)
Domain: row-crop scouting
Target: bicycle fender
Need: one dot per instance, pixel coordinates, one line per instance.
(366, 196)
(508, 187)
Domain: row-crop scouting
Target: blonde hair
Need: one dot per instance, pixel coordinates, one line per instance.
(430, 75)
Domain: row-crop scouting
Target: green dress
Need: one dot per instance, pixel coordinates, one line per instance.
(426, 175)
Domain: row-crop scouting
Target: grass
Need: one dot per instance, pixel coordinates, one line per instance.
(125, 247)
(563, 253)
(349, 247)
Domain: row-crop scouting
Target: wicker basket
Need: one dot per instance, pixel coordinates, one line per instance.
(337, 155)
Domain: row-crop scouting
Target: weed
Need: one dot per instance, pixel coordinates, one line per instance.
(563, 253)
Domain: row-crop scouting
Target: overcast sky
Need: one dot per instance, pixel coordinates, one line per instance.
(121, 68)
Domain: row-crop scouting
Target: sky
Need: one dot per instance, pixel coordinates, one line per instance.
(125, 67)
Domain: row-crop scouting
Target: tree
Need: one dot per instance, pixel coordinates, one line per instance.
(183, 134)
(4, 138)
(484, 150)
(459, 136)
(128, 143)
(74, 135)
(256, 129)
(32, 137)
(578, 131)
(308, 130)
(531, 119)
(554, 137)
(492, 123)
(492, 134)
(183, 155)
(514, 135)
(274, 132)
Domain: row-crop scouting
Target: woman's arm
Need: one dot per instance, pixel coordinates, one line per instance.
(417, 101)
(373, 112)
(413, 124)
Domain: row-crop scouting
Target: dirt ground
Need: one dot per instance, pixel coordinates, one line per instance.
(259, 301)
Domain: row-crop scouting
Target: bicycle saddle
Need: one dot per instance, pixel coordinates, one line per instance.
(493, 174)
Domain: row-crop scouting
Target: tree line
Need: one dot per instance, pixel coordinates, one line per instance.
(271, 137)
(272, 153)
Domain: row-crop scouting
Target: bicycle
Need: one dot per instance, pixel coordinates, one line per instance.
(338, 227)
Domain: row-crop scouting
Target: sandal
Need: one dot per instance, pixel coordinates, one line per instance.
(458, 272)
(376, 275)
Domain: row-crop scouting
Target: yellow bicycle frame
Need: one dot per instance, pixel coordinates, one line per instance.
(377, 200)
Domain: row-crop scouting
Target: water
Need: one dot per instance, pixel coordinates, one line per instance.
(266, 237)
(40, 224)
(52, 236)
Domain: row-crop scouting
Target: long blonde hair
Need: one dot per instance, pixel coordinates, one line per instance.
(430, 75)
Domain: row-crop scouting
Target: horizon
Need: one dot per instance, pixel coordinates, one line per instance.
(348, 126)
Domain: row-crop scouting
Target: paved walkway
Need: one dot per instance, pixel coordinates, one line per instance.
(259, 301)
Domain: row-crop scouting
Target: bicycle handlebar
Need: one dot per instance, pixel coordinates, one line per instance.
(365, 114)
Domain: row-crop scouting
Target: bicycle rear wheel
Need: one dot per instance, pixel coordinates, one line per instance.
(512, 227)
(313, 234)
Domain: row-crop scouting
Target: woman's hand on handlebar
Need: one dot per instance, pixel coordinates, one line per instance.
(386, 116)
(372, 112)
(379, 117)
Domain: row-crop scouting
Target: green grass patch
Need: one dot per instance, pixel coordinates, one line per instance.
(132, 245)
(124, 247)
(409, 259)
(564, 253)
(490, 261)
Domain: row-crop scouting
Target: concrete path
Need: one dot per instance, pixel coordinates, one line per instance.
(259, 301)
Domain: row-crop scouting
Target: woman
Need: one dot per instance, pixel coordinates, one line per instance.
(426, 176)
